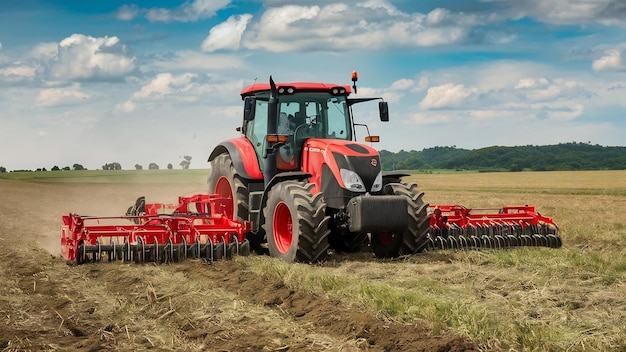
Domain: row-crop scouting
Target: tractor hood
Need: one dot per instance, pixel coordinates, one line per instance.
(351, 166)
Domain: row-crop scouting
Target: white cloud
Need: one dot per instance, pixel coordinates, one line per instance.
(277, 22)
(403, 84)
(19, 72)
(611, 61)
(125, 107)
(559, 111)
(373, 25)
(482, 93)
(436, 16)
(380, 4)
(389, 94)
(127, 12)
(164, 84)
(446, 95)
(421, 85)
(607, 12)
(60, 96)
(506, 94)
(397, 90)
(167, 89)
(84, 57)
(190, 11)
(226, 35)
(44, 51)
(544, 89)
(531, 83)
(496, 75)
(510, 114)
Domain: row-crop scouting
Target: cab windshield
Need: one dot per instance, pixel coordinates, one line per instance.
(301, 115)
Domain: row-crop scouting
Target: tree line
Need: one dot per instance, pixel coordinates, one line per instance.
(558, 157)
(184, 164)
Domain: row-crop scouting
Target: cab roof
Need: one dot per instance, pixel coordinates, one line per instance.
(306, 86)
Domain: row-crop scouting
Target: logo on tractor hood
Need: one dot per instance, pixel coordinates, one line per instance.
(374, 162)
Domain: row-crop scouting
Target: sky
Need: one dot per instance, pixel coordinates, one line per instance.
(136, 82)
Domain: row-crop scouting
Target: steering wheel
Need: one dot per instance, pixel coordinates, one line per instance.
(300, 129)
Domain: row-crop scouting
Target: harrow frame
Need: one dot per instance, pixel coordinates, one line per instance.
(196, 227)
(455, 226)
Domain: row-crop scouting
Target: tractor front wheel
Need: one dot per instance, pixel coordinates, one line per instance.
(414, 238)
(295, 223)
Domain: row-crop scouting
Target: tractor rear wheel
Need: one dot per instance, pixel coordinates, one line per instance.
(295, 223)
(223, 180)
(414, 238)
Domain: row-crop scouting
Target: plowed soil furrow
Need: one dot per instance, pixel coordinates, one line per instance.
(48, 305)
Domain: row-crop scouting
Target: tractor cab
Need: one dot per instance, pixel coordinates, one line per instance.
(304, 110)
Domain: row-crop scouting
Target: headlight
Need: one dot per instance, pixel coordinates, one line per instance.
(352, 181)
(378, 182)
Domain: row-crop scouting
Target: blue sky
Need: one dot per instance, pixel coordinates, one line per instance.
(94, 82)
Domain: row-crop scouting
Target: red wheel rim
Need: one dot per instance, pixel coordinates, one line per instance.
(224, 190)
(386, 238)
(283, 227)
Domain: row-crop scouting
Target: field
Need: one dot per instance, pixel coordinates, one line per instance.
(526, 299)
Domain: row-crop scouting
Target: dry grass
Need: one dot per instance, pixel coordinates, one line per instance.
(529, 299)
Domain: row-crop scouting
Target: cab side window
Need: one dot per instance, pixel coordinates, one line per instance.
(257, 129)
(337, 123)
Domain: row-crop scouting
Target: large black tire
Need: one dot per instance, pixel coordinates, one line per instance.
(295, 223)
(223, 180)
(137, 209)
(414, 238)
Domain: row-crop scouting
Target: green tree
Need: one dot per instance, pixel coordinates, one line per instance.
(564, 156)
(112, 166)
(185, 162)
(3, 169)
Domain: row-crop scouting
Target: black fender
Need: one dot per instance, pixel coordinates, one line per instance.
(391, 177)
(394, 174)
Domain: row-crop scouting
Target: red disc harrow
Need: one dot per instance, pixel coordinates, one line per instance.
(196, 227)
(455, 226)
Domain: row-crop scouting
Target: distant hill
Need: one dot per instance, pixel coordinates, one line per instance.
(566, 156)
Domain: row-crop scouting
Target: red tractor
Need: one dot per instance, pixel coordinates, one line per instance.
(298, 183)
(299, 176)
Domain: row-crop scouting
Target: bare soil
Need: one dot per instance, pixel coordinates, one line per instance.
(46, 304)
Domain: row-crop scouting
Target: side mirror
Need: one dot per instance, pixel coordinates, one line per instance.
(383, 111)
(249, 108)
